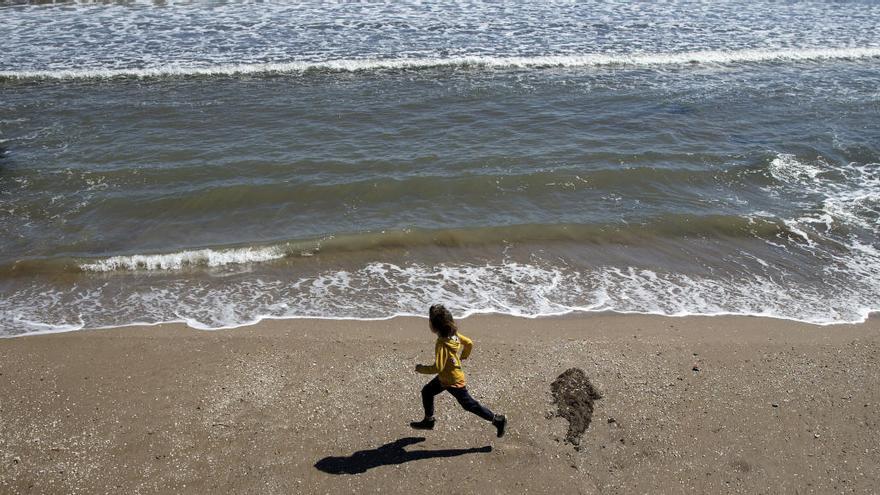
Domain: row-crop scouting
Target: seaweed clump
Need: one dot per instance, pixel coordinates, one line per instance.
(574, 395)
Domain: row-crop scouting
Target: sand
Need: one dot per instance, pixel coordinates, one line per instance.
(696, 404)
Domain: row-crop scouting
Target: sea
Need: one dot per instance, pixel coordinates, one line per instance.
(221, 163)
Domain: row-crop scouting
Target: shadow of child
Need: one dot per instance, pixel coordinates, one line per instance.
(386, 455)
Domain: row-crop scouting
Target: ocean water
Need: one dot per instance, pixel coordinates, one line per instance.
(221, 163)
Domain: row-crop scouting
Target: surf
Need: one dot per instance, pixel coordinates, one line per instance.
(476, 62)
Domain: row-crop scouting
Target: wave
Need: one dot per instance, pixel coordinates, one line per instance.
(385, 290)
(843, 289)
(176, 261)
(222, 194)
(850, 193)
(486, 62)
(665, 226)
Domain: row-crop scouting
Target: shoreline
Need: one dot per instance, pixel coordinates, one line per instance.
(574, 313)
(720, 403)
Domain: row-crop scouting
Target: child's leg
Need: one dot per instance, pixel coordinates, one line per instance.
(431, 389)
(470, 404)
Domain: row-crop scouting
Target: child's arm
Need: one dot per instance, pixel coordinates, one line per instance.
(441, 354)
(466, 346)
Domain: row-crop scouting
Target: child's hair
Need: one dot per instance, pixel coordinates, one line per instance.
(441, 321)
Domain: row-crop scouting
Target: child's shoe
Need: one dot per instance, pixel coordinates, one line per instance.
(425, 424)
(500, 422)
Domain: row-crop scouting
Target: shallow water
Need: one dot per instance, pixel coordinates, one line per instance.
(218, 164)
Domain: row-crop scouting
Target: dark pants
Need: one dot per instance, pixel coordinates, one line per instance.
(434, 387)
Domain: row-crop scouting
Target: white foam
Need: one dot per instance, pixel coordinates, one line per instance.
(851, 193)
(384, 290)
(787, 168)
(178, 260)
(858, 201)
(39, 327)
(490, 62)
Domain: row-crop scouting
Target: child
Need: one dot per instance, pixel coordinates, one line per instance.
(447, 366)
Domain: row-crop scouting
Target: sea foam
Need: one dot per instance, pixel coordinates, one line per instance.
(486, 62)
(181, 259)
(384, 290)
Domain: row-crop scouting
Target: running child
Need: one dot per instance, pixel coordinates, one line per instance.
(450, 377)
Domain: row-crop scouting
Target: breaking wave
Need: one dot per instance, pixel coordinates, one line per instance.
(484, 62)
(385, 290)
(667, 226)
(175, 261)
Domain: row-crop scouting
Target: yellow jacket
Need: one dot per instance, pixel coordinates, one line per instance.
(447, 363)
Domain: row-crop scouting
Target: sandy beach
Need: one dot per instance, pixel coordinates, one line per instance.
(272, 179)
(696, 405)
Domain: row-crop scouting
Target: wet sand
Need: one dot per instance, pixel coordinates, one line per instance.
(696, 404)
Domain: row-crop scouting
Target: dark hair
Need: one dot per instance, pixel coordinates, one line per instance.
(441, 321)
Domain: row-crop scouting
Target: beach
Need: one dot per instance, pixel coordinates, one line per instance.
(223, 224)
(689, 405)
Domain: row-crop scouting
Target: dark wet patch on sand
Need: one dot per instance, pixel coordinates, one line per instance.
(574, 395)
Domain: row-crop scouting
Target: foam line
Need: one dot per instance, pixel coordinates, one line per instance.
(489, 62)
(175, 261)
